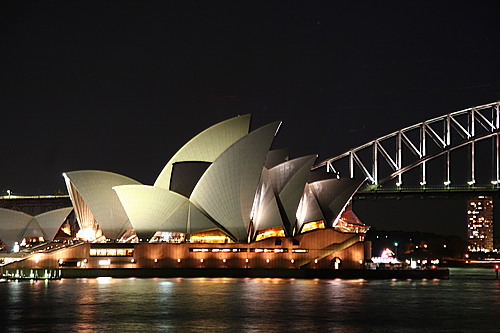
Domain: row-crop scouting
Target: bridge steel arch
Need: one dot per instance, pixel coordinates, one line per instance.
(425, 141)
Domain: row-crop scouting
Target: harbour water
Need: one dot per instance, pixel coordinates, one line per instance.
(467, 302)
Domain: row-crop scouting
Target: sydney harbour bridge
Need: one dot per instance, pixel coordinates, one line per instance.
(458, 152)
(455, 154)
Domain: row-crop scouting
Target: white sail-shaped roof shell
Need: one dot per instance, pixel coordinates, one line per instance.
(266, 212)
(207, 146)
(13, 226)
(270, 216)
(51, 221)
(198, 221)
(226, 190)
(309, 209)
(289, 180)
(281, 189)
(333, 195)
(96, 189)
(33, 230)
(152, 209)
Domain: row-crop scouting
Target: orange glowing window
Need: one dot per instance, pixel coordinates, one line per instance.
(271, 232)
(313, 226)
(209, 236)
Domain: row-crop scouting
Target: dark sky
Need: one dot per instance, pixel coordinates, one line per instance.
(120, 86)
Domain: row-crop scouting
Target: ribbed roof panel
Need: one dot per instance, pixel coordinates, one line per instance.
(309, 209)
(289, 180)
(198, 221)
(270, 217)
(207, 146)
(13, 225)
(51, 221)
(152, 209)
(226, 191)
(96, 189)
(333, 195)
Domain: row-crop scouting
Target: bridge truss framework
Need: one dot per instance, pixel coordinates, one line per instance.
(425, 141)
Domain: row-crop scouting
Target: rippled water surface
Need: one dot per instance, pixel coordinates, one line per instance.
(468, 302)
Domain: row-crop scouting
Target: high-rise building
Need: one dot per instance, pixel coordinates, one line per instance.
(480, 223)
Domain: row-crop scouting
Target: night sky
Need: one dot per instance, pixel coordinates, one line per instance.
(121, 86)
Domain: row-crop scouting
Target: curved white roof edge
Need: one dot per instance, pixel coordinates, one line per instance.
(150, 209)
(95, 188)
(289, 179)
(309, 209)
(226, 190)
(281, 189)
(333, 196)
(269, 217)
(13, 226)
(50, 222)
(207, 145)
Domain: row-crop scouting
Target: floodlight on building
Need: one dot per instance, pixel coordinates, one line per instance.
(104, 262)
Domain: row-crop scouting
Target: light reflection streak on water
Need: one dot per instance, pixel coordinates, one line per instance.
(252, 305)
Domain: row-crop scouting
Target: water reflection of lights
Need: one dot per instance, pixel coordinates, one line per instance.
(104, 279)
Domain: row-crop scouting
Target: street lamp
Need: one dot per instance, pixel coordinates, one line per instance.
(396, 249)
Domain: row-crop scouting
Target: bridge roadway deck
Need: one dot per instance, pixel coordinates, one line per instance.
(425, 192)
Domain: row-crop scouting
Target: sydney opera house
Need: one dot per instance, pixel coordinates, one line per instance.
(224, 200)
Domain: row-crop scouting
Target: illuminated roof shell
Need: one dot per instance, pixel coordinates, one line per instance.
(333, 195)
(96, 189)
(13, 226)
(207, 146)
(152, 209)
(289, 180)
(227, 189)
(50, 222)
(280, 191)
